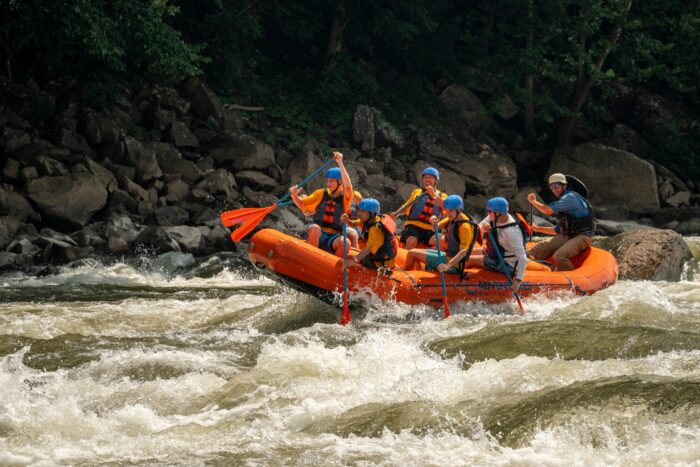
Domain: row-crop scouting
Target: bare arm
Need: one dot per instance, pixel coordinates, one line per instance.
(348, 192)
(541, 207)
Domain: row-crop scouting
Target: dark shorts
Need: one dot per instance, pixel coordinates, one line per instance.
(325, 242)
(495, 265)
(422, 235)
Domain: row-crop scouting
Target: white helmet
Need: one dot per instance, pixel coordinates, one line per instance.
(557, 178)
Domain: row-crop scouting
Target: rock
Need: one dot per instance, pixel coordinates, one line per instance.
(205, 164)
(122, 224)
(255, 180)
(652, 254)
(626, 139)
(11, 170)
(177, 190)
(159, 239)
(468, 109)
(32, 104)
(613, 175)
(173, 262)
(15, 140)
(189, 238)
(50, 167)
(87, 237)
(257, 198)
(143, 159)
(23, 245)
(171, 162)
(665, 215)
(505, 108)
(14, 204)
(609, 227)
(116, 243)
(170, 99)
(531, 158)
(28, 173)
(615, 212)
(386, 135)
(133, 189)
(242, 151)
(218, 183)
(680, 198)
(74, 253)
(69, 199)
(309, 159)
(689, 227)
(207, 216)
(363, 127)
(9, 226)
(7, 260)
(101, 130)
(205, 102)
(519, 202)
(170, 215)
(181, 136)
(450, 182)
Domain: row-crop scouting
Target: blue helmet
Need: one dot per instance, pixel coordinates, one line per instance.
(453, 202)
(369, 204)
(499, 205)
(334, 174)
(431, 171)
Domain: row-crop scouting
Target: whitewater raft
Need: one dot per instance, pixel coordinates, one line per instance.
(314, 271)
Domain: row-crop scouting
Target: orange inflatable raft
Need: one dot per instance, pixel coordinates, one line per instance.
(307, 268)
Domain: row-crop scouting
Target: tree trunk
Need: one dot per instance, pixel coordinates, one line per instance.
(529, 106)
(335, 41)
(584, 83)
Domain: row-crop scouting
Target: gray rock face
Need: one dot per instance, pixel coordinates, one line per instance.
(609, 227)
(171, 162)
(71, 199)
(468, 109)
(616, 176)
(363, 127)
(189, 238)
(243, 152)
(170, 215)
(181, 136)
(159, 239)
(689, 227)
(654, 254)
(8, 229)
(218, 183)
(205, 102)
(143, 159)
(256, 180)
(14, 204)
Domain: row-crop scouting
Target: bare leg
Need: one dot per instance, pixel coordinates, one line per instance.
(475, 262)
(411, 242)
(313, 234)
(414, 255)
(338, 246)
(353, 238)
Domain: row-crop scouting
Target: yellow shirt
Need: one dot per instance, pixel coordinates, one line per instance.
(310, 203)
(465, 231)
(416, 193)
(375, 240)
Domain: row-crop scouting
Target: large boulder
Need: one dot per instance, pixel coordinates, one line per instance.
(613, 175)
(653, 254)
(181, 136)
(205, 103)
(218, 183)
(468, 109)
(9, 226)
(28, 102)
(171, 162)
(363, 127)
(256, 180)
(242, 151)
(72, 199)
(450, 182)
(190, 239)
(14, 204)
(143, 159)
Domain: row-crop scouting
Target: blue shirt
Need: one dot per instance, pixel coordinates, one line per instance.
(570, 203)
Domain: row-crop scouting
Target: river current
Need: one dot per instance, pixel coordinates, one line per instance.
(126, 362)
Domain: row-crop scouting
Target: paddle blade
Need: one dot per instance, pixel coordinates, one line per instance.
(520, 303)
(238, 216)
(447, 309)
(345, 315)
(250, 223)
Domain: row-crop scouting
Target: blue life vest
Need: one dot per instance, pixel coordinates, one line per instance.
(572, 226)
(424, 208)
(329, 211)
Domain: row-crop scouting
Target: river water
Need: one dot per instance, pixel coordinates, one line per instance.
(109, 362)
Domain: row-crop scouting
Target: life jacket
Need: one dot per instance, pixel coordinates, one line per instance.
(453, 239)
(424, 208)
(354, 214)
(329, 210)
(572, 226)
(491, 248)
(390, 247)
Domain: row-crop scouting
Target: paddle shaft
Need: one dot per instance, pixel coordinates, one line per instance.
(312, 175)
(408, 205)
(505, 271)
(345, 314)
(442, 274)
(531, 217)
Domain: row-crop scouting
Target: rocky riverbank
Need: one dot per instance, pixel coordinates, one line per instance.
(154, 171)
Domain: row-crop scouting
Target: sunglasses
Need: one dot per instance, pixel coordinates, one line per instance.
(552, 186)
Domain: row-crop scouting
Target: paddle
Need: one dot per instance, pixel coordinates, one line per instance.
(531, 224)
(345, 315)
(442, 274)
(505, 271)
(408, 204)
(249, 218)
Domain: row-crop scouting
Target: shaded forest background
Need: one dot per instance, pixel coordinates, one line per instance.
(310, 63)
